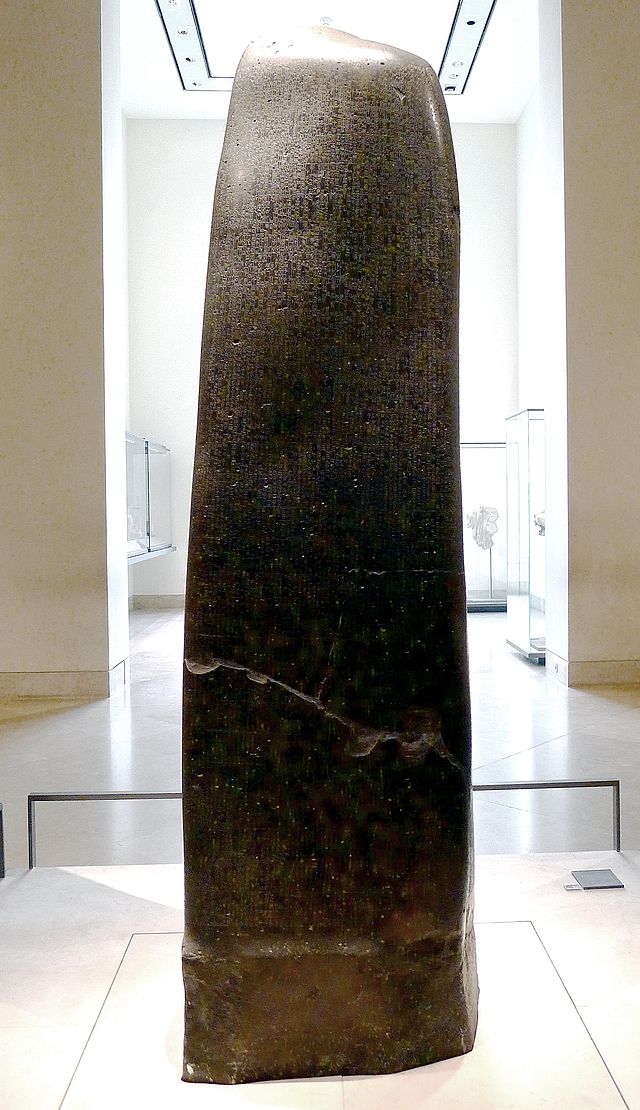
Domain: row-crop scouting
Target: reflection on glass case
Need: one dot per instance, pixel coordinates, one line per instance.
(525, 533)
(148, 498)
(482, 468)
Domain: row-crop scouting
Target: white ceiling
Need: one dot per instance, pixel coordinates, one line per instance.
(500, 84)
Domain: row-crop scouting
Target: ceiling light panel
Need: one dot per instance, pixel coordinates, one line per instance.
(208, 39)
(403, 25)
(467, 32)
(183, 32)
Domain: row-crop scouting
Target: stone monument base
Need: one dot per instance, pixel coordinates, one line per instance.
(302, 1007)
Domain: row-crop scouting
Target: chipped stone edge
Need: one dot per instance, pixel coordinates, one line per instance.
(365, 739)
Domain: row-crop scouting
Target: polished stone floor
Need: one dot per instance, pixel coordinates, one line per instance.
(91, 1000)
(526, 727)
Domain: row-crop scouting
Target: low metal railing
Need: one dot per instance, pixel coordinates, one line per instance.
(111, 796)
(567, 784)
(129, 796)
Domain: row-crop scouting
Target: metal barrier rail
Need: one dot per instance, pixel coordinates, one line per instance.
(118, 796)
(568, 784)
(128, 796)
(2, 869)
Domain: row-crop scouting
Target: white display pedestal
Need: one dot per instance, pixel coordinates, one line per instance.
(91, 1000)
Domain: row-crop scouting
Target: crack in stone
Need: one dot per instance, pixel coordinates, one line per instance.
(413, 746)
(330, 657)
(382, 573)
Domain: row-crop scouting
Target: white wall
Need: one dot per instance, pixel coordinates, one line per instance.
(540, 228)
(486, 163)
(171, 171)
(600, 47)
(115, 334)
(172, 166)
(53, 549)
(542, 305)
(531, 246)
(579, 281)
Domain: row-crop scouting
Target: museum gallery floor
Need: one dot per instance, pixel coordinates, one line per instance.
(91, 1006)
(63, 934)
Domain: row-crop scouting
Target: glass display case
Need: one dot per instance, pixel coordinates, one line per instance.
(526, 533)
(137, 510)
(483, 474)
(148, 498)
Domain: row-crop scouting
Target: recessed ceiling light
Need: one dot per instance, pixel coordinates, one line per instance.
(179, 19)
(465, 37)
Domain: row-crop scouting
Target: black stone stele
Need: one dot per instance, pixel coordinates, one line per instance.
(327, 808)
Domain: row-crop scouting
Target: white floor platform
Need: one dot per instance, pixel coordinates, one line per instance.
(91, 997)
